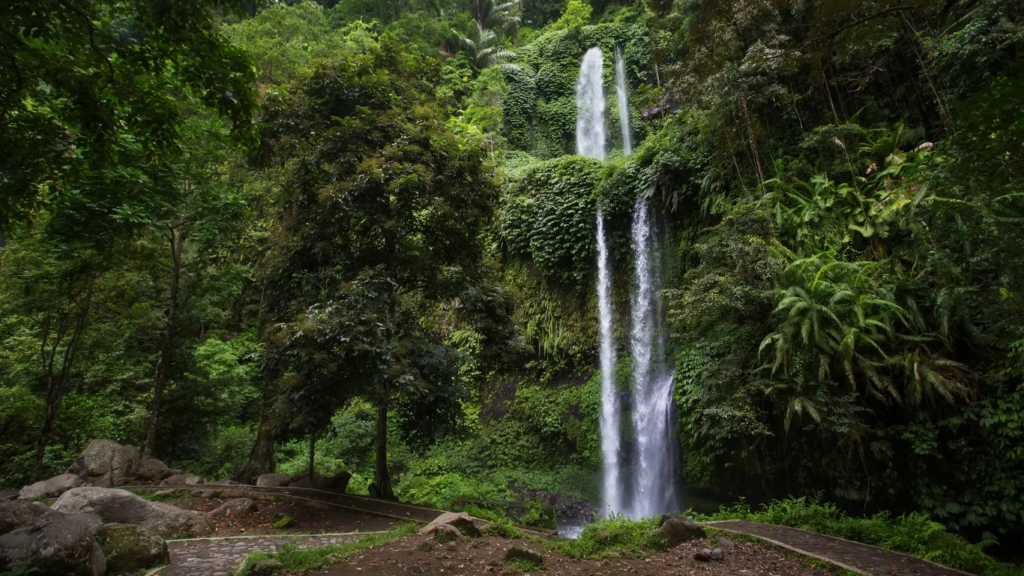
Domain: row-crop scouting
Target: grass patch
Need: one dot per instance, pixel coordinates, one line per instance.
(521, 565)
(502, 529)
(295, 558)
(913, 534)
(615, 537)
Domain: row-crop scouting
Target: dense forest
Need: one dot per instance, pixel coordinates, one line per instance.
(252, 236)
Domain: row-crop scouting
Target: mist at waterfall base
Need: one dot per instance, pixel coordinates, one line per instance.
(643, 485)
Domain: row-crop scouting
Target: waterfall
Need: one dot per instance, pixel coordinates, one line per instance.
(610, 409)
(590, 138)
(654, 487)
(623, 102)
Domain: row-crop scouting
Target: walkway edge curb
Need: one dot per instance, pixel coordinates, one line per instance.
(209, 538)
(840, 564)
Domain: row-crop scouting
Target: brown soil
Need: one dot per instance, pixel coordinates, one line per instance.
(312, 519)
(420, 555)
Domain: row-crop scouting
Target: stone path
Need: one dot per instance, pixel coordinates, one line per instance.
(853, 556)
(221, 556)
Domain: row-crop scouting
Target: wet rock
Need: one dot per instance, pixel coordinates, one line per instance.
(235, 506)
(105, 463)
(447, 533)
(56, 544)
(530, 556)
(129, 548)
(718, 554)
(703, 556)
(675, 531)
(50, 488)
(154, 470)
(123, 507)
(182, 480)
(460, 520)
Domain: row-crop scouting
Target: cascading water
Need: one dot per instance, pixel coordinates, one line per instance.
(652, 488)
(610, 409)
(590, 105)
(623, 102)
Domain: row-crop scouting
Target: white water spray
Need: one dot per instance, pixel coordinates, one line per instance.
(623, 102)
(590, 104)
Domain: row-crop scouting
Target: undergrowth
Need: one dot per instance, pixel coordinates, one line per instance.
(295, 558)
(913, 534)
(617, 537)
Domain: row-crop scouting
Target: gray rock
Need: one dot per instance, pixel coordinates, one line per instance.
(16, 514)
(57, 545)
(726, 543)
(273, 480)
(50, 488)
(460, 520)
(718, 554)
(236, 506)
(263, 568)
(154, 470)
(123, 507)
(182, 480)
(129, 548)
(675, 531)
(447, 533)
(524, 554)
(106, 463)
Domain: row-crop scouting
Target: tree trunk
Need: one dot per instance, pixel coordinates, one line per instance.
(381, 477)
(57, 385)
(261, 459)
(312, 453)
(176, 240)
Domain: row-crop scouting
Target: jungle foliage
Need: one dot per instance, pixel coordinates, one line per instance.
(237, 233)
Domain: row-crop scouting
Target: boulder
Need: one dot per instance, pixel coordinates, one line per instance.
(123, 507)
(718, 554)
(517, 553)
(675, 531)
(16, 514)
(50, 488)
(282, 522)
(55, 545)
(129, 548)
(106, 463)
(703, 556)
(154, 470)
(447, 533)
(336, 483)
(236, 506)
(182, 480)
(273, 480)
(304, 481)
(460, 520)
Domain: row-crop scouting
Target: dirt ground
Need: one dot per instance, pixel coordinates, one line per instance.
(312, 519)
(420, 555)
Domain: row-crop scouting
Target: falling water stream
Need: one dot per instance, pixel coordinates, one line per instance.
(651, 490)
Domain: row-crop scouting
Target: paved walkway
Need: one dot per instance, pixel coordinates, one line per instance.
(853, 556)
(221, 556)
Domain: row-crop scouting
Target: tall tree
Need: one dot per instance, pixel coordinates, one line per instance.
(383, 209)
